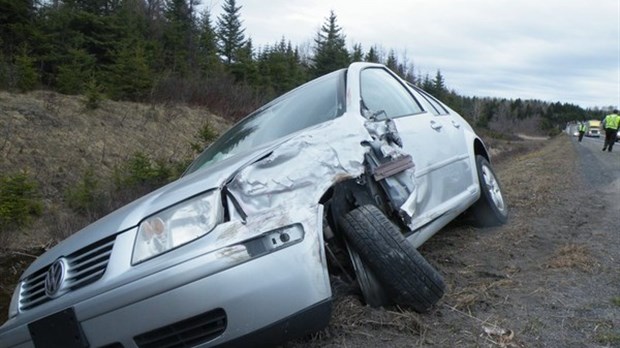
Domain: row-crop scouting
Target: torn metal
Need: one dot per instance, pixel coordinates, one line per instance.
(301, 169)
(392, 168)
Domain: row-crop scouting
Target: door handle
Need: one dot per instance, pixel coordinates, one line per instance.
(456, 124)
(435, 125)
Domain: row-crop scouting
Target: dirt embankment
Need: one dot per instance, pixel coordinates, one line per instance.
(55, 138)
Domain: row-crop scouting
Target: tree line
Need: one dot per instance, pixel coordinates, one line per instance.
(174, 50)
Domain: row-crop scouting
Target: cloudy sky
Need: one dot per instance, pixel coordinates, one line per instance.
(552, 50)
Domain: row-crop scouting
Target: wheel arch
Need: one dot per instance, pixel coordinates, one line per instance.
(480, 149)
(344, 196)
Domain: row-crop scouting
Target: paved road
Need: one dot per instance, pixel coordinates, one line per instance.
(601, 169)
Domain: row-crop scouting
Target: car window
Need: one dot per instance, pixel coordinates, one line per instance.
(383, 94)
(315, 102)
(436, 107)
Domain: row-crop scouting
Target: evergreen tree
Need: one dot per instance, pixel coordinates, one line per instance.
(392, 61)
(130, 77)
(330, 52)
(142, 22)
(97, 7)
(487, 114)
(439, 85)
(17, 27)
(280, 68)
(20, 200)
(72, 76)
(372, 56)
(410, 74)
(27, 77)
(4, 72)
(265, 66)
(297, 68)
(207, 45)
(357, 55)
(229, 32)
(427, 84)
(93, 93)
(244, 68)
(178, 35)
(69, 29)
(134, 21)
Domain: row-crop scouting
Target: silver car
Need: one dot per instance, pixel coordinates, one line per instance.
(339, 180)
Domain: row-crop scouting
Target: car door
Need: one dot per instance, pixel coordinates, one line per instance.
(425, 136)
(457, 178)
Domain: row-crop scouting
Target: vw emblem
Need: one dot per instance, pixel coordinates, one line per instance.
(55, 278)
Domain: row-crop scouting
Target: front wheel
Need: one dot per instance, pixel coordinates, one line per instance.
(490, 209)
(400, 270)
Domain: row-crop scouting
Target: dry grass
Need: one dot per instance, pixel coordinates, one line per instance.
(350, 315)
(492, 331)
(572, 256)
(54, 138)
(353, 322)
(523, 190)
(468, 297)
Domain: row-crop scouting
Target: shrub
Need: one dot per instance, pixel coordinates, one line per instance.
(143, 173)
(19, 200)
(93, 94)
(74, 71)
(204, 137)
(27, 77)
(220, 93)
(86, 197)
(139, 175)
(5, 72)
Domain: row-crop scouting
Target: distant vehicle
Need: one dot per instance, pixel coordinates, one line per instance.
(344, 176)
(594, 128)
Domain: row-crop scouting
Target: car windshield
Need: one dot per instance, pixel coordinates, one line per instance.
(315, 102)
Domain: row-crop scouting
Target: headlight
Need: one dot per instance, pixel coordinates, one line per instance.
(177, 225)
(13, 307)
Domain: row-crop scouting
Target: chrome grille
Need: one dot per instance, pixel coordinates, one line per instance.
(85, 266)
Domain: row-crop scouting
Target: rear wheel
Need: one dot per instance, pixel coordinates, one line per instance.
(404, 275)
(490, 209)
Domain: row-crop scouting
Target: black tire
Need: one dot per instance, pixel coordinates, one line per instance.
(406, 276)
(372, 289)
(490, 209)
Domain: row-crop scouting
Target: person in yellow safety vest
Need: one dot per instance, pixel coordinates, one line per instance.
(611, 123)
(581, 129)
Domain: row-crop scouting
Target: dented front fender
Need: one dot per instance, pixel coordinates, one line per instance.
(301, 169)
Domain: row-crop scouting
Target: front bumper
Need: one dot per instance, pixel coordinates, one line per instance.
(254, 295)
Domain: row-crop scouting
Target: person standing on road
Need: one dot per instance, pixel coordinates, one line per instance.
(611, 124)
(581, 129)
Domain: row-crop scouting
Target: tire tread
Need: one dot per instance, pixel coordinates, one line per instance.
(404, 272)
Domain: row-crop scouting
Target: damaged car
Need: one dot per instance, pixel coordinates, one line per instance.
(339, 180)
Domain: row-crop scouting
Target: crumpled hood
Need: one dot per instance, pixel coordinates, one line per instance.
(129, 216)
